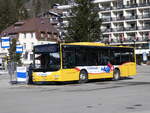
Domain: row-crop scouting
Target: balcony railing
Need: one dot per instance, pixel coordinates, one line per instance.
(139, 16)
(146, 16)
(114, 18)
(124, 6)
(145, 38)
(143, 27)
(118, 29)
(128, 39)
(143, 16)
(130, 6)
(107, 19)
(117, 18)
(126, 29)
(143, 4)
(126, 18)
(105, 8)
(118, 7)
(108, 30)
(120, 18)
(130, 28)
(130, 17)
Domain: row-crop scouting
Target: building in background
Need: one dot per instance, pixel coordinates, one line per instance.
(34, 31)
(126, 22)
(58, 17)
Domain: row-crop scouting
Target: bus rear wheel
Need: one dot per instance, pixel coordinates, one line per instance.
(116, 75)
(83, 76)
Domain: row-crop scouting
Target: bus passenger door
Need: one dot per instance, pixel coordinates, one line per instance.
(127, 61)
(132, 69)
(68, 64)
(119, 59)
(132, 65)
(124, 68)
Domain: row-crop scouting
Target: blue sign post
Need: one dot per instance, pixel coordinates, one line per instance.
(19, 49)
(5, 42)
(21, 74)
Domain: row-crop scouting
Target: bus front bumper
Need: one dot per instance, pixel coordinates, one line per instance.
(45, 77)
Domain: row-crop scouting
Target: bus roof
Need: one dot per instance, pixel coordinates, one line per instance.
(93, 44)
(85, 43)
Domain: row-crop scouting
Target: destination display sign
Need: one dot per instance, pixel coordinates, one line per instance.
(47, 48)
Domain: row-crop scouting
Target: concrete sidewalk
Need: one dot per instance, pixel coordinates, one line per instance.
(3, 72)
(140, 112)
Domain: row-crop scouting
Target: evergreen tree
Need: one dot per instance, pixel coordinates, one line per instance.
(45, 5)
(84, 25)
(7, 14)
(40, 6)
(13, 56)
(21, 12)
(62, 2)
(37, 7)
(11, 11)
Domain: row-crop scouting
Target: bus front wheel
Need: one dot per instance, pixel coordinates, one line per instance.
(83, 76)
(116, 74)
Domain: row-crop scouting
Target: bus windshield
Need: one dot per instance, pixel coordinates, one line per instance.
(46, 58)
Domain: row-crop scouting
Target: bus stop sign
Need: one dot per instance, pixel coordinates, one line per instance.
(21, 74)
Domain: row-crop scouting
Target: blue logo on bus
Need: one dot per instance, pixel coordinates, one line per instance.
(108, 68)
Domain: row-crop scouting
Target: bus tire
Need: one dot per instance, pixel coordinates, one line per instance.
(83, 77)
(116, 75)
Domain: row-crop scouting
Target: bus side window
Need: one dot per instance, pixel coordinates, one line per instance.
(105, 60)
(68, 59)
(112, 57)
(92, 58)
(116, 56)
(125, 55)
(81, 57)
(103, 57)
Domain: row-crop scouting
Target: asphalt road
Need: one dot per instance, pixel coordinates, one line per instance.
(125, 96)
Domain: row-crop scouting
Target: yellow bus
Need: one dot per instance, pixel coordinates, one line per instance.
(82, 61)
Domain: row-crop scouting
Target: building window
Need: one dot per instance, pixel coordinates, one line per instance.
(31, 56)
(25, 56)
(24, 45)
(32, 44)
(32, 34)
(48, 35)
(24, 35)
(42, 35)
